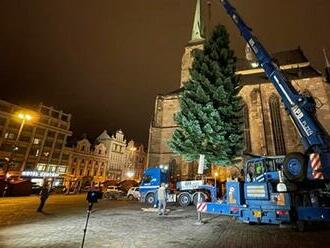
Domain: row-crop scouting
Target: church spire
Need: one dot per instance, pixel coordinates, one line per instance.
(197, 31)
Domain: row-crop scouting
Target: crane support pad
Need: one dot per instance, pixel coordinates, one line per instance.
(313, 213)
(222, 208)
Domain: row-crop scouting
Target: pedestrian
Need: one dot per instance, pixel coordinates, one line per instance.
(44, 193)
(161, 193)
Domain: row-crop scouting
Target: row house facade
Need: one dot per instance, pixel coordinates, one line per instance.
(87, 164)
(32, 141)
(116, 147)
(111, 158)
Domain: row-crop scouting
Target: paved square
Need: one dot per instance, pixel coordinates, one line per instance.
(124, 224)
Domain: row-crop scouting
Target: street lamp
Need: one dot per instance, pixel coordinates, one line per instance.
(130, 162)
(130, 174)
(23, 117)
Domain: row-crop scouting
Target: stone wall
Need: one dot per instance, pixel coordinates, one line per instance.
(256, 98)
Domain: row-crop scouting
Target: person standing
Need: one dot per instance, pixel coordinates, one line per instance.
(161, 193)
(44, 193)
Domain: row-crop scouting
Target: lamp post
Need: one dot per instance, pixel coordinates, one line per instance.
(130, 171)
(23, 117)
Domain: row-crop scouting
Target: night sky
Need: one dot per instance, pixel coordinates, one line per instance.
(105, 61)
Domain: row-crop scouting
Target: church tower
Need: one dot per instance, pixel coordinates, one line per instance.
(163, 124)
(196, 42)
(268, 129)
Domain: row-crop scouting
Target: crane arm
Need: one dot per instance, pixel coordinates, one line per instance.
(301, 108)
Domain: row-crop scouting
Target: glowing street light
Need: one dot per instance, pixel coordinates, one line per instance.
(130, 174)
(23, 117)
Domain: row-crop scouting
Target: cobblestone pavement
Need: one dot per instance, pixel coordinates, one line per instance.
(124, 224)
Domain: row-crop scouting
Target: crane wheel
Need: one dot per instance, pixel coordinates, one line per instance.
(184, 199)
(150, 198)
(294, 166)
(195, 198)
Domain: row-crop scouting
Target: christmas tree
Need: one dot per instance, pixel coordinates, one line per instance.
(211, 118)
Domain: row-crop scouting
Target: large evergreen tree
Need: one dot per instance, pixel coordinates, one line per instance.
(211, 118)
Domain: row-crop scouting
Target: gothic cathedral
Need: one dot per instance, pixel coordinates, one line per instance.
(268, 129)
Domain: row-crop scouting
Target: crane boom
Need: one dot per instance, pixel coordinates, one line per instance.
(300, 108)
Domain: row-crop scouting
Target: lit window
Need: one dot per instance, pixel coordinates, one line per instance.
(37, 152)
(9, 135)
(36, 141)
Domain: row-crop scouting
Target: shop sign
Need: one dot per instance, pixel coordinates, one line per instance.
(39, 174)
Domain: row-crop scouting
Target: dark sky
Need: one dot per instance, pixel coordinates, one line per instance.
(105, 61)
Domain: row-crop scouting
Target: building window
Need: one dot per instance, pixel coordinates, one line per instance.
(278, 136)
(37, 152)
(9, 136)
(83, 148)
(81, 172)
(36, 141)
(72, 171)
(51, 134)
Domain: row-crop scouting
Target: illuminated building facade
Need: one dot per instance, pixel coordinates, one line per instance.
(36, 145)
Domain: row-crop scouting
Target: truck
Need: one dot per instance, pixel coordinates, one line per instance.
(182, 192)
(281, 189)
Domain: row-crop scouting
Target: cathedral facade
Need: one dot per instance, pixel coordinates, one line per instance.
(268, 129)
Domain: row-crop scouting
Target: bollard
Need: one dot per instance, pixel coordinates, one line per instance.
(199, 208)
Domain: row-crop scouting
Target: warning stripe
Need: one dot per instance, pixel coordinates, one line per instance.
(316, 165)
(201, 207)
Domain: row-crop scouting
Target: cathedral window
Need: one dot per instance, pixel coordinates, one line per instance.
(278, 136)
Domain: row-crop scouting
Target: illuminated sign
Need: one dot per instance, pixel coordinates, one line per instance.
(39, 174)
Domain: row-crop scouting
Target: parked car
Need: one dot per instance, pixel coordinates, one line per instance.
(35, 188)
(113, 192)
(133, 193)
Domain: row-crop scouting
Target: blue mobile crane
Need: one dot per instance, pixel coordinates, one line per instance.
(281, 189)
